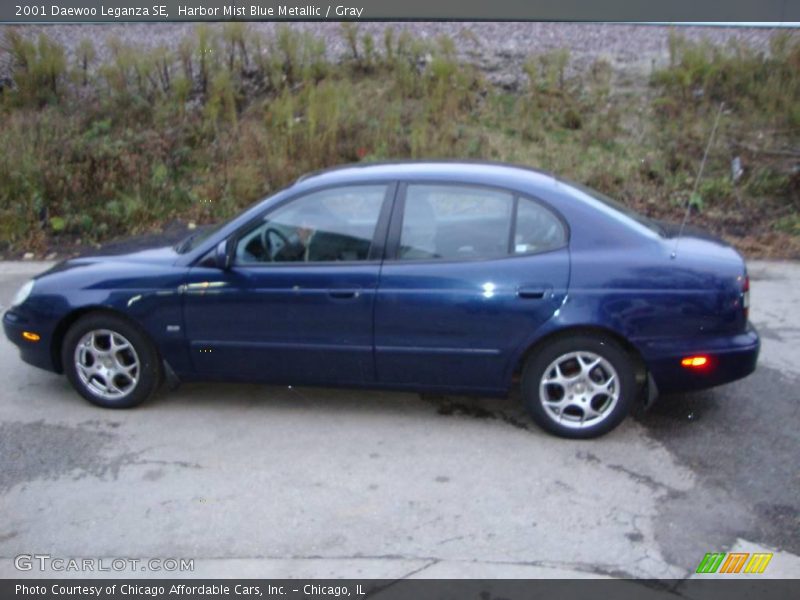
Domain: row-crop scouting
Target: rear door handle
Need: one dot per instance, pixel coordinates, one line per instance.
(344, 294)
(531, 292)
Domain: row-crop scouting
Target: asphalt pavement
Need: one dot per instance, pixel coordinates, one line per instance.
(260, 481)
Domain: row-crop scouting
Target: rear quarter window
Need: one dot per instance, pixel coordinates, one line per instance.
(537, 229)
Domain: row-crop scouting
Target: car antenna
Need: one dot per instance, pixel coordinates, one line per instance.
(697, 181)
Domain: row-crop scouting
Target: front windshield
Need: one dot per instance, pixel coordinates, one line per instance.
(619, 207)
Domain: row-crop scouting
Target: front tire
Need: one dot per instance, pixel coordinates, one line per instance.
(110, 362)
(579, 387)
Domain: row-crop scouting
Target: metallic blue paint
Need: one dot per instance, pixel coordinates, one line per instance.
(461, 326)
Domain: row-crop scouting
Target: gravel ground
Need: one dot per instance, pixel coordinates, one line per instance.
(499, 49)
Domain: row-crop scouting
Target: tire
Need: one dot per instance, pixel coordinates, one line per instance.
(110, 361)
(579, 387)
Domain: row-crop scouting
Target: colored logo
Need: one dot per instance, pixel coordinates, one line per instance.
(734, 562)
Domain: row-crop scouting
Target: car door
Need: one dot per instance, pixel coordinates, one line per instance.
(296, 306)
(471, 273)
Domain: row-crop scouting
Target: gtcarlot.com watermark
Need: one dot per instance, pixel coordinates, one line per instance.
(57, 564)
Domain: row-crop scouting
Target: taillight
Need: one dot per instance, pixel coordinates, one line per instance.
(746, 297)
(699, 361)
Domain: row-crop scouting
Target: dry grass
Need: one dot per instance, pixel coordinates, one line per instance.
(94, 151)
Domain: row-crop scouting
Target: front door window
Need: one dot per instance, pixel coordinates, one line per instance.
(330, 225)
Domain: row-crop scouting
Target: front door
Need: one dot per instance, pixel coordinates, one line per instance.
(297, 305)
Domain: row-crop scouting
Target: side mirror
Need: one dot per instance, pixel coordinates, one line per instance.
(224, 254)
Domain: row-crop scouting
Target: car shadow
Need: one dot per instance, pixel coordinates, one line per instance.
(236, 396)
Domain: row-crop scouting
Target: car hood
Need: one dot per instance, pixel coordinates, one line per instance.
(158, 254)
(161, 255)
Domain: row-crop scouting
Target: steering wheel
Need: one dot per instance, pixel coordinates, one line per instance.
(267, 244)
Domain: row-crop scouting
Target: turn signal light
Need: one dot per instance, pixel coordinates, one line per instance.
(694, 362)
(30, 336)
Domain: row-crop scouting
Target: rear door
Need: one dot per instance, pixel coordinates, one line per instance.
(471, 272)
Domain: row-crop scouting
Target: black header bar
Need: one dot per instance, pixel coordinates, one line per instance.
(89, 11)
(418, 589)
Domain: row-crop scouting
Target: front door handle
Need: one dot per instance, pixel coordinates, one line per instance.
(344, 294)
(531, 292)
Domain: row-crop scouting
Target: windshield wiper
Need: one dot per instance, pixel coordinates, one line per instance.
(185, 243)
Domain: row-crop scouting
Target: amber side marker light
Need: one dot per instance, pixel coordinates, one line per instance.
(30, 336)
(694, 362)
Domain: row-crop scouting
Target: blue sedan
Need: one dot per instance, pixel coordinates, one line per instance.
(436, 277)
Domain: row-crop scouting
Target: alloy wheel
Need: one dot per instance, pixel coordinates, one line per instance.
(107, 364)
(579, 389)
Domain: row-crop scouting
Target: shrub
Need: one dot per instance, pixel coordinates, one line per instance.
(96, 148)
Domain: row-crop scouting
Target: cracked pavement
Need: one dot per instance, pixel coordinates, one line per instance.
(260, 481)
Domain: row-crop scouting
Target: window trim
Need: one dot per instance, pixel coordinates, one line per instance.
(377, 244)
(398, 215)
(512, 230)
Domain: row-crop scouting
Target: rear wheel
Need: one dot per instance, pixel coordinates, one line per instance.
(110, 362)
(579, 387)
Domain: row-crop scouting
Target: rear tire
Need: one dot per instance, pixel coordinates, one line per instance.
(579, 387)
(110, 361)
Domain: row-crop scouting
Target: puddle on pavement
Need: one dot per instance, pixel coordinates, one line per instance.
(477, 409)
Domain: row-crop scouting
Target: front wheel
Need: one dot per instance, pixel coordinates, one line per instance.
(110, 362)
(579, 387)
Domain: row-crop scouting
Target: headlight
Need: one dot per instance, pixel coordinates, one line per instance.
(22, 294)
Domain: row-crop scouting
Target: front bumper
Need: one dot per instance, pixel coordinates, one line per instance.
(729, 358)
(35, 353)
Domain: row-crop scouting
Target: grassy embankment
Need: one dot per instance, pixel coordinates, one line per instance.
(91, 150)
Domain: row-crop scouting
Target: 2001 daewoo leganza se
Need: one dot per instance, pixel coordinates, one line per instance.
(434, 276)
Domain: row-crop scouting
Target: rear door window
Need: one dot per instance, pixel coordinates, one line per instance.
(462, 222)
(454, 222)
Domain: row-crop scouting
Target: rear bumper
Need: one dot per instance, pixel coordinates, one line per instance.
(34, 353)
(729, 358)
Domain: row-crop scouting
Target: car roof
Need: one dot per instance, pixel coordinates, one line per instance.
(477, 171)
